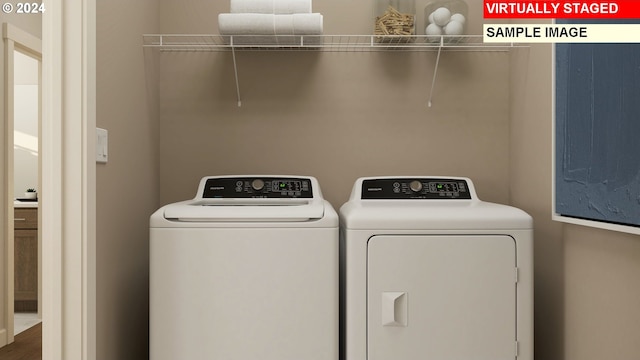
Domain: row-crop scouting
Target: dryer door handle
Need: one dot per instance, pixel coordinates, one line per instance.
(394, 308)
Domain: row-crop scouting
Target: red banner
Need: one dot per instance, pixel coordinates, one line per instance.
(519, 9)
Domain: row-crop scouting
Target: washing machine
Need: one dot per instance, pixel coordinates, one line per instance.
(429, 271)
(248, 269)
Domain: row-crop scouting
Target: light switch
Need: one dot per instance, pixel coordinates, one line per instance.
(102, 145)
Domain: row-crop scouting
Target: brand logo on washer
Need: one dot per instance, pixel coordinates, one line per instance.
(216, 188)
(374, 189)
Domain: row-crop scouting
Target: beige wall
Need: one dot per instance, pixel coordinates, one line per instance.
(33, 25)
(602, 294)
(127, 186)
(587, 293)
(530, 170)
(334, 115)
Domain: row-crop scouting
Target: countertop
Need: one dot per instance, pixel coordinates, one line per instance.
(25, 204)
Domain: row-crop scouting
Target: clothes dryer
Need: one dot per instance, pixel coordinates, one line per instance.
(429, 271)
(248, 269)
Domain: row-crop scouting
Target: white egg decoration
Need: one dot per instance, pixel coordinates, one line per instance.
(454, 28)
(433, 32)
(459, 18)
(433, 29)
(441, 16)
(445, 17)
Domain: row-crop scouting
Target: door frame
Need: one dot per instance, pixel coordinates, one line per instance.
(15, 39)
(69, 180)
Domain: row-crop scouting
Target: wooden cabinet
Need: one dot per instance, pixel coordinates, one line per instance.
(26, 259)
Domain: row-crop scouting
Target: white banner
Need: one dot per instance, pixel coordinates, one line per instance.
(561, 33)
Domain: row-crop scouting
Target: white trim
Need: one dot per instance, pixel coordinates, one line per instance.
(69, 191)
(596, 224)
(8, 233)
(28, 42)
(51, 139)
(40, 184)
(89, 114)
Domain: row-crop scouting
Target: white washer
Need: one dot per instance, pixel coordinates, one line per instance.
(248, 269)
(428, 271)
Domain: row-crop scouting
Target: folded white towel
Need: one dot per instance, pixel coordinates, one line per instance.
(307, 24)
(284, 24)
(270, 24)
(270, 6)
(246, 24)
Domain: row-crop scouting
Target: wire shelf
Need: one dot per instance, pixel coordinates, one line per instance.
(213, 42)
(342, 43)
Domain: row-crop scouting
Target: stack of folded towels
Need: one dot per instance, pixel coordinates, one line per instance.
(265, 20)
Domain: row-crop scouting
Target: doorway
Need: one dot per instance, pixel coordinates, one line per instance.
(27, 262)
(22, 257)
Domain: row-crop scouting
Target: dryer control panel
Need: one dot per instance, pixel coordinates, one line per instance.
(258, 187)
(415, 188)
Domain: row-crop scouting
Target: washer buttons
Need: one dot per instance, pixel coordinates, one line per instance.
(257, 184)
(415, 186)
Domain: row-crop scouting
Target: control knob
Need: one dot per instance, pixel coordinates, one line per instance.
(257, 184)
(415, 186)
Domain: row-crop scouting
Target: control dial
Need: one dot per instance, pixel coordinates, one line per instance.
(257, 184)
(415, 186)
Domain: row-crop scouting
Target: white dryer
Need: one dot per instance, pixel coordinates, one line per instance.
(429, 271)
(248, 269)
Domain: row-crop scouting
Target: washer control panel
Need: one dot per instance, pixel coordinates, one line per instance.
(258, 187)
(418, 188)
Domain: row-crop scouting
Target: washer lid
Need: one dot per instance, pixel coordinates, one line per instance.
(245, 210)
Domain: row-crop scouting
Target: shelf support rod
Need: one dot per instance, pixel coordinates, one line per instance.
(435, 71)
(235, 71)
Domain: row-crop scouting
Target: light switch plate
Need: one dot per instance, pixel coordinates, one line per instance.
(102, 146)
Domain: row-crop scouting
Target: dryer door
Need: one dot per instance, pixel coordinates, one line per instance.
(441, 297)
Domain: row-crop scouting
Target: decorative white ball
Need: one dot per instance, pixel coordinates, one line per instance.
(433, 29)
(459, 18)
(441, 16)
(433, 32)
(431, 21)
(454, 28)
